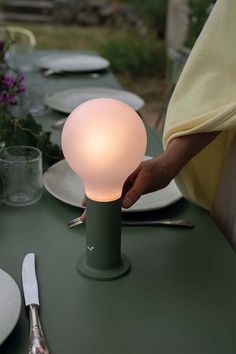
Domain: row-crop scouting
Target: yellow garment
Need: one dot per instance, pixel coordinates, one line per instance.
(204, 100)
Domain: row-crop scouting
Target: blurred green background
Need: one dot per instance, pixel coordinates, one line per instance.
(137, 55)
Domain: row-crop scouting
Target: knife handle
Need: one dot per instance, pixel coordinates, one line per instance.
(37, 341)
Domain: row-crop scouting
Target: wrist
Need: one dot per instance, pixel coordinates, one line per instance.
(174, 161)
(165, 168)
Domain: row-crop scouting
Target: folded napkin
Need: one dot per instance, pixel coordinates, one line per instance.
(204, 100)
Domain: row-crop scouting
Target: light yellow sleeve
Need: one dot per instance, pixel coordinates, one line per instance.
(204, 100)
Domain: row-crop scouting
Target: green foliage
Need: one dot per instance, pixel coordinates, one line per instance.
(130, 54)
(20, 130)
(25, 131)
(199, 11)
(153, 12)
(2, 2)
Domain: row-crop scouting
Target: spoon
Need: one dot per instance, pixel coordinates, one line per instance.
(165, 222)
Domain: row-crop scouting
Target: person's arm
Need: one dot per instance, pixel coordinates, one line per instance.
(157, 173)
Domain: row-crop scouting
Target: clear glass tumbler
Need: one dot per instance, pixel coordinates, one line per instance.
(34, 98)
(21, 175)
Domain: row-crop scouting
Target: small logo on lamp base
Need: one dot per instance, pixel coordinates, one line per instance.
(90, 248)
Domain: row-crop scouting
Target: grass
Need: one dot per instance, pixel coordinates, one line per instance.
(70, 37)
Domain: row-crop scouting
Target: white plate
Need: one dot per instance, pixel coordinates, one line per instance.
(73, 63)
(63, 183)
(10, 305)
(66, 101)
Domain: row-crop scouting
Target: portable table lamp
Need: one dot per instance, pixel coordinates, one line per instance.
(103, 141)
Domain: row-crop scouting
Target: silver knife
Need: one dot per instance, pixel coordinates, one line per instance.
(30, 286)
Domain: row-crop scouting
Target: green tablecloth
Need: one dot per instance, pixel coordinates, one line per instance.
(179, 297)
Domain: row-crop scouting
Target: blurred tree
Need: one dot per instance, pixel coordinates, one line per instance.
(199, 11)
(153, 12)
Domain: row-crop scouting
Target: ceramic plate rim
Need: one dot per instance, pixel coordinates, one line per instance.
(133, 209)
(46, 62)
(49, 99)
(16, 305)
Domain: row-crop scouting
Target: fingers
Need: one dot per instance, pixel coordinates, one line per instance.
(139, 187)
(83, 217)
(127, 186)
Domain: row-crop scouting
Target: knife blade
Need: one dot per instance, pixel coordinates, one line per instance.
(30, 284)
(31, 294)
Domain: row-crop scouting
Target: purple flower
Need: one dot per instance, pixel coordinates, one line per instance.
(11, 100)
(10, 87)
(8, 81)
(20, 77)
(20, 89)
(3, 96)
(8, 97)
(2, 46)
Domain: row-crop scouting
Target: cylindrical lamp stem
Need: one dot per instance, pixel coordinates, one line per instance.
(103, 233)
(103, 258)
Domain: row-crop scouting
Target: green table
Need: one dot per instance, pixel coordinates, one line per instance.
(179, 297)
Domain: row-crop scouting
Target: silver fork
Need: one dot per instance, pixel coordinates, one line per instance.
(164, 222)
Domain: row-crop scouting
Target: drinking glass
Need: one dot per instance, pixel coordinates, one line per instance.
(21, 175)
(35, 95)
(21, 51)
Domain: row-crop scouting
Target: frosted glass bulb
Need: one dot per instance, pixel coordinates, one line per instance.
(104, 141)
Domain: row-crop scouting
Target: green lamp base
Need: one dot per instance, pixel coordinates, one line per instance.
(103, 259)
(115, 272)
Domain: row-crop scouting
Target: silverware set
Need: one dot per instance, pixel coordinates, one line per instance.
(37, 343)
(163, 222)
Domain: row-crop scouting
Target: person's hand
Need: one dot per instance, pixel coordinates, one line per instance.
(157, 173)
(150, 176)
